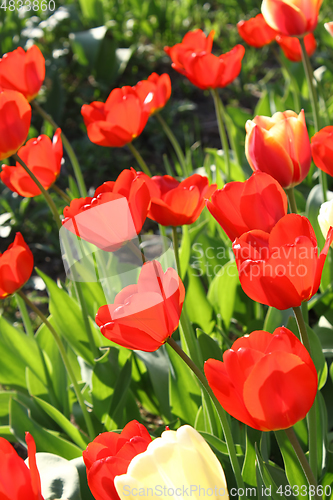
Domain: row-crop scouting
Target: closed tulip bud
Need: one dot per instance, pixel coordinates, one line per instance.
(43, 157)
(17, 480)
(279, 146)
(23, 71)
(180, 462)
(322, 149)
(291, 17)
(267, 381)
(256, 32)
(291, 46)
(325, 217)
(15, 116)
(16, 266)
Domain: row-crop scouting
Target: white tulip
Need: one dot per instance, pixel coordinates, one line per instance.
(325, 217)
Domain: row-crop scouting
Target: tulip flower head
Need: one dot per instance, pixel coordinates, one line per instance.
(322, 149)
(15, 117)
(154, 92)
(325, 217)
(279, 146)
(110, 454)
(193, 59)
(256, 32)
(257, 203)
(114, 215)
(175, 203)
(291, 17)
(43, 157)
(281, 269)
(291, 46)
(267, 381)
(329, 27)
(17, 480)
(116, 122)
(145, 315)
(23, 71)
(177, 461)
(16, 266)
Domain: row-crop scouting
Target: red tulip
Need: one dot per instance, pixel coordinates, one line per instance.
(279, 146)
(145, 315)
(291, 17)
(329, 27)
(114, 215)
(16, 266)
(193, 59)
(17, 480)
(267, 381)
(292, 48)
(154, 92)
(15, 116)
(256, 32)
(117, 121)
(175, 203)
(282, 268)
(322, 149)
(23, 71)
(43, 157)
(194, 42)
(110, 454)
(257, 203)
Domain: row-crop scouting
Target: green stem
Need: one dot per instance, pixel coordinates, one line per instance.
(292, 202)
(221, 412)
(178, 150)
(139, 159)
(61, 193)
(312, 423)
(69, 150)
(292, 81)
(314, 103)
(66, 361)
(223, 135)
(25, 316)
(302, 460)
(46, 195)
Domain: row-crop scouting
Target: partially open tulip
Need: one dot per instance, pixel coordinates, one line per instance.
(175, 203)
(322, 149)
(256, 32)
(15, 117)
(200, 66)
(281, 268)
(154, 92)
(16, 266)
(329, 27)
(110, 454)
(325, 217)
(279, 146)
(267, 381)
(257, 203)
(176, 465)
(43, 157)
(117, 121)
(17, 480)
(292, 48)
(145, 315)
(114, 215)
(23, 71)
(291, 17)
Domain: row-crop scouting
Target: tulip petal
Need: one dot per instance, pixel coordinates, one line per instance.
(284, 17)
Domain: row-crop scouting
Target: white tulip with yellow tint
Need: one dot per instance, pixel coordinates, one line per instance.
(175, 465)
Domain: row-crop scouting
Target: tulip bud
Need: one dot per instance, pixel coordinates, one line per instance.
(179, 464)
(15, 116)
(279, 146)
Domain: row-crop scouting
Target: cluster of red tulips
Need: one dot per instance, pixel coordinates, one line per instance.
(267, 381)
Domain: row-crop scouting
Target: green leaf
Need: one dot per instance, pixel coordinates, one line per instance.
(196, 294)
(220, 445)
(184, 252)
(81, 468)
(268, 481)
(21, 422)
(59, 477)
(275, 318)
(222, 292)
(77, 437)
(185, 393)
(253, 437)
